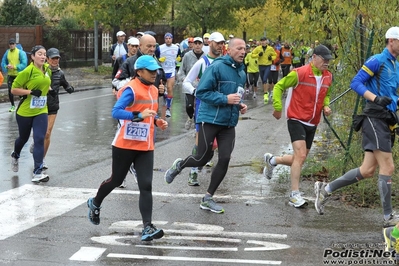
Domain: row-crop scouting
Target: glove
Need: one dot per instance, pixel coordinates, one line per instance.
(261, 53)
(137, 117)
(162, 59)
(269, 57)
(382, 100)
(36, 92)
(70, 89)
(178, 58)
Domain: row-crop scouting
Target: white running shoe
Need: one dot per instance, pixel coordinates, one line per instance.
(42, 177)
(268, 169)
(14, 164)
(297, 201)
(188, 124)
(168, 113)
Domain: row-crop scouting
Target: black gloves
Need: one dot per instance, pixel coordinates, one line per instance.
(382, 100)
(70, 89)
(137, 117)
(261, 53)
(269, 57)
(36, 92)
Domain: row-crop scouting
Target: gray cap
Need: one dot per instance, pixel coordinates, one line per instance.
(323, 51)
(53, 52)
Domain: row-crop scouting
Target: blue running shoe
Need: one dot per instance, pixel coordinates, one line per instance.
(150, 232)
(94, 212)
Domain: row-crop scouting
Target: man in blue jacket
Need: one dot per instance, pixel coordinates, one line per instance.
(220, 90)
(14, 61)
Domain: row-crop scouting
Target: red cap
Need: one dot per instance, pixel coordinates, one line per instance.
(191, 39)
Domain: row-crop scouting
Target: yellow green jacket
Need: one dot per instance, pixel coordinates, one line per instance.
(264, 58)
(251, 63)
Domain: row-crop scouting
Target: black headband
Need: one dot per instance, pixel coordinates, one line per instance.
(37, 48)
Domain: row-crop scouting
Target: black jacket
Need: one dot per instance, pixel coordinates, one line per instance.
(127, 69)
(57, 80)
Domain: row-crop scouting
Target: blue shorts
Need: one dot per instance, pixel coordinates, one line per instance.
(170, 75)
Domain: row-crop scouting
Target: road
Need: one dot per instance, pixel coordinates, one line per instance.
(47, 225)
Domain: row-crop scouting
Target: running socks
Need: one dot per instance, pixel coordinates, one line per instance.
(169, 102)
(384, 186)
(349, 178)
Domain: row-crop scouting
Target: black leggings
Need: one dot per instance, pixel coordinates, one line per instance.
(225, 137)
(143, 164)
(190, 105)
(10, 80)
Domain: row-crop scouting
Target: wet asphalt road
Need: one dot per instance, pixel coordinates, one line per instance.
(47, 224)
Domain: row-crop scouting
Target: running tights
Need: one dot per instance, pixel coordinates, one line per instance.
(225, 137)
(143, 164)
(39, 126)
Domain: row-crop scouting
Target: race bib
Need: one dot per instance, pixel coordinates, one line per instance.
(38, 102)
(137, 131)
(169, 63)
(273, 68)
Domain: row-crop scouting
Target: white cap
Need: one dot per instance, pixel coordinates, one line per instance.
(198, 39)
(216, 37)
(140, 33)
(120, 33)
(392, 33)
(231, 36)
(133, 41)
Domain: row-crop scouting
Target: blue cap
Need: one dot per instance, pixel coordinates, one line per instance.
(146, 61)
(169, 35)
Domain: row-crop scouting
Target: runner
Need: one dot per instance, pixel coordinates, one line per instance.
(129, 147)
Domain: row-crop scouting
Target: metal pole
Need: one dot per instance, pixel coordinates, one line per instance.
(96, 46)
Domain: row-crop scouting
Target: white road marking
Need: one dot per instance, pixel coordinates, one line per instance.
(88, 254)
(30, 205)
(265, 246)
(170, 258)
(198, 229)
(187, 248)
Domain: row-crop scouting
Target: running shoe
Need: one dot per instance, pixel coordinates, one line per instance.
(247, 91)
(321, 196)
(12, 109)
(172, 172)
(150, 232)
(268, 169)
(94, 212)
(193, 178)
(266, 98)
(254, 96)
(297, 201)
(392, 220)
(31, 147)
(168, 113)
(133, 172)
(209, 164)
(390, 241)
(14, 163)
(123, 185)
(42, 177)
(188, 123)
(210, 205)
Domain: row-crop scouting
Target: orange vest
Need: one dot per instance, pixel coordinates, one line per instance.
(132, 135)
(304, 102)
(275, 67)
(286, 53)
